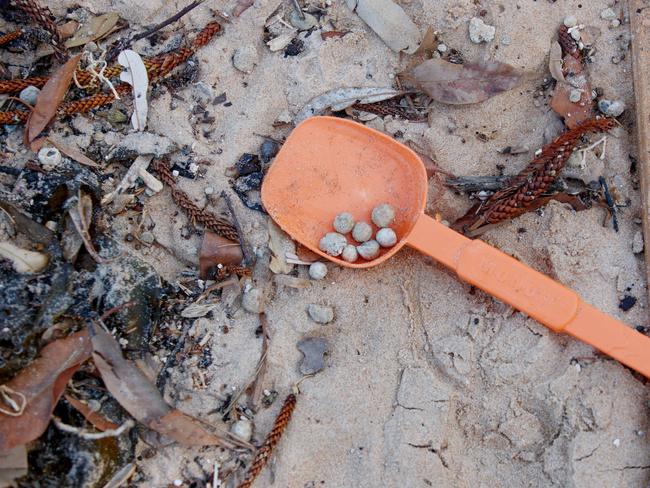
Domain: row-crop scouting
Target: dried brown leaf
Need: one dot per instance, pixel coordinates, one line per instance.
(333, 34)
(429, 42)
(139, 396)
(217, 250)
(573, 113)
(81, 216)
(458, 84)
(94, 29)
(42, 383)
(241, 7)
(90, 415)
(49, 99)
(73, 153)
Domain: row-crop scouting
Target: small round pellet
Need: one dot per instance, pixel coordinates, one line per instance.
(332, 243)
(317, 270)
(343, 223)
(350, 254)
(368, 250)
(386, 237)
(362, 232)
(383, 215)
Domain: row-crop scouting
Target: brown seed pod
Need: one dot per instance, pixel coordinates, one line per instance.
(264, 453)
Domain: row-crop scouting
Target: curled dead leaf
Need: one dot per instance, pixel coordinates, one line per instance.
(95, 28)
(577, 81)
(49, 99)
(41, 384)
(217, 250)
(460, 84)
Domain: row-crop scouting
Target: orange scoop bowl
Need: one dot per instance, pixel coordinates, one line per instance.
(329, 165)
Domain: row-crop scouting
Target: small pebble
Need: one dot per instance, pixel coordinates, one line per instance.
(178, 482)
(383, 215)
(343, 223)
(332, 243)
(147, 237)
(243, 429)
(615, 23)
(317, 270)
(386, 237)
(442, 48)
(637, 243)
(362, 232)
(350, 254)
(50, 157)
(301, 23)
(506, 40)
(29, 95)
(616, 442)
(570, 21)
(480, 32)
(608, 14)
(321, 314)
(611, 108)
(616, 59)
(575, 95)
(368, 250)
(209, 190)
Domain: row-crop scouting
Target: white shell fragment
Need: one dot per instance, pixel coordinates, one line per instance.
(332, 243)
(317, 270)
(386, 237)
(49, 157)
(343, 223)
(342, 98)
(350, 253)
(383, 215)
(389, 22)
(368, 250)
(135, 74)
(362, 232)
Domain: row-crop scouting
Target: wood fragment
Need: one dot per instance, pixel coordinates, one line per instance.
(640, 27)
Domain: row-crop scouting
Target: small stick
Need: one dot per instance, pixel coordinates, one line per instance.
(611, 205)
(149, 32)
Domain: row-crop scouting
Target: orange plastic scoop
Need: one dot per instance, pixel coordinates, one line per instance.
(330, 165)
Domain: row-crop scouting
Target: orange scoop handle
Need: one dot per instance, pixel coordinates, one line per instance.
(531, 292)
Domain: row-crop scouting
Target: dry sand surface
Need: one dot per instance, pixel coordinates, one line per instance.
(428, 382)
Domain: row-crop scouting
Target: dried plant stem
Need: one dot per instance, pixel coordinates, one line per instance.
(211, 221)
(7, 38)
(523, 189)
(264, 453)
